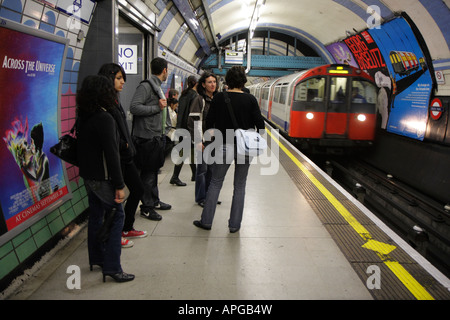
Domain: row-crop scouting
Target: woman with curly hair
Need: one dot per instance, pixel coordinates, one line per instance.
(99, 163)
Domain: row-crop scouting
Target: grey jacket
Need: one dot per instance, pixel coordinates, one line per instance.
(147, 116)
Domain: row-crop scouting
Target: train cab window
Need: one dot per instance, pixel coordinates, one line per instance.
(363, 92)
(311, 90)
(338, 90)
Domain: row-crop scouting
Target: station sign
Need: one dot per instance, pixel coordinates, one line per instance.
(234, 57)
(128, 58)
(78, 9)
(436, 109)
(440, 79)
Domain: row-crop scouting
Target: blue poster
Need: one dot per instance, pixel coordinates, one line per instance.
(411, 79)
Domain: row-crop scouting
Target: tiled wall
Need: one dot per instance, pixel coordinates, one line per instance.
(39, 16)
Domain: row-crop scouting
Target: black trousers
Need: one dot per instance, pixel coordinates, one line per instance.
(136, 188)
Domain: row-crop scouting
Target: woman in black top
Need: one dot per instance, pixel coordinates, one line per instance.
(99, 163)
(127, 152)
(248, 115)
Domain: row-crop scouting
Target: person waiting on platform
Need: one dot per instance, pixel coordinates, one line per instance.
(184, 106)
(127, 152)
(171, 113)
(206, 88)
(99, 163)
(148, 132)
(248, 115)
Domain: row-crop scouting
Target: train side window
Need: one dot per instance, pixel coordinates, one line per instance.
(265, 95)
(276, 94)
(311, 90)
(363, 92)
(283, 94)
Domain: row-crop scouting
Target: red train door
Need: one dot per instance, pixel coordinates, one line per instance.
(336, 119)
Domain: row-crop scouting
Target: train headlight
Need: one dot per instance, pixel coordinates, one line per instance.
(310, 115)
(361, 117)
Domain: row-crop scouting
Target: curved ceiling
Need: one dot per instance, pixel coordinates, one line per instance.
(189, 28)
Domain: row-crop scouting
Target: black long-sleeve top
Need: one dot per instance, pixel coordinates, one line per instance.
(126, 147)
(98, 148)
(246, 111)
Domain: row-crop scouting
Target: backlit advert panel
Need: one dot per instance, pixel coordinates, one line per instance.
(32, 180)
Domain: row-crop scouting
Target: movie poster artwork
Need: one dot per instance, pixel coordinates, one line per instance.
(32, 180)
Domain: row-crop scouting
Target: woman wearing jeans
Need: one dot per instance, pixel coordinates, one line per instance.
(99, 163)
(248, 115)
(127, 152)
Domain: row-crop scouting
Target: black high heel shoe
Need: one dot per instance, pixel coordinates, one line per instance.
(119, 277)
(96, 264)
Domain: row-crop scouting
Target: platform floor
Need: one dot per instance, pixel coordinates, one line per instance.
(282, 252)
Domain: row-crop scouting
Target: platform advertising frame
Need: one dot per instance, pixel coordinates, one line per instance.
(391, 53)
(410, 75)
(33, 182)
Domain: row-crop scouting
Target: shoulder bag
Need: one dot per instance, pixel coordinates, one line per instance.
(66, 148)
(248, 142)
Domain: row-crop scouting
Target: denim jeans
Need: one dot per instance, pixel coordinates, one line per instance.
(101, 200)
(202, 178)
(218, 173)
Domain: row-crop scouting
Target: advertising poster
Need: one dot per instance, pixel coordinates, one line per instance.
(32, 180)
(342, 54)
(368, 57)
(411, 78)
(392, 55)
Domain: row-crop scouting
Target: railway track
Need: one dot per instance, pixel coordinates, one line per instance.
(417, 218)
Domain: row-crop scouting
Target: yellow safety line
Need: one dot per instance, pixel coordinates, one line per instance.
(380, 248)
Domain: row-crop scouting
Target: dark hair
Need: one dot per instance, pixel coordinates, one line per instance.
(201, 91)
(95, 92)
(236, 77)
(110, 70)
(158, 65)
(190, 82)
(171, 101)
(172, 93)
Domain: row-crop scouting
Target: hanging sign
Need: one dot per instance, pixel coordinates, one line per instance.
(128, 58)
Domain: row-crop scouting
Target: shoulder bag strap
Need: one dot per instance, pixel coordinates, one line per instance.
(230, 109)
(73, 130)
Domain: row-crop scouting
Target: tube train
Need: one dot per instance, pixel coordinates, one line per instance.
(327, 107)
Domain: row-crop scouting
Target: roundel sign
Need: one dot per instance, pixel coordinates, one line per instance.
(436, 109)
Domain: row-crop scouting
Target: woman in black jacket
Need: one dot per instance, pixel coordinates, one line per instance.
(248, 115)
(127, 152)
(99, 163)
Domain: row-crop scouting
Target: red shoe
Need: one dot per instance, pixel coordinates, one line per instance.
(127, 243)
(134, 234)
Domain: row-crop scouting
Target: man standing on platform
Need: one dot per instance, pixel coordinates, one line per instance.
(149, 126)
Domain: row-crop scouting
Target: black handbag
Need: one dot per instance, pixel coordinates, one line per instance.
(66, 148)
(150, 152)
